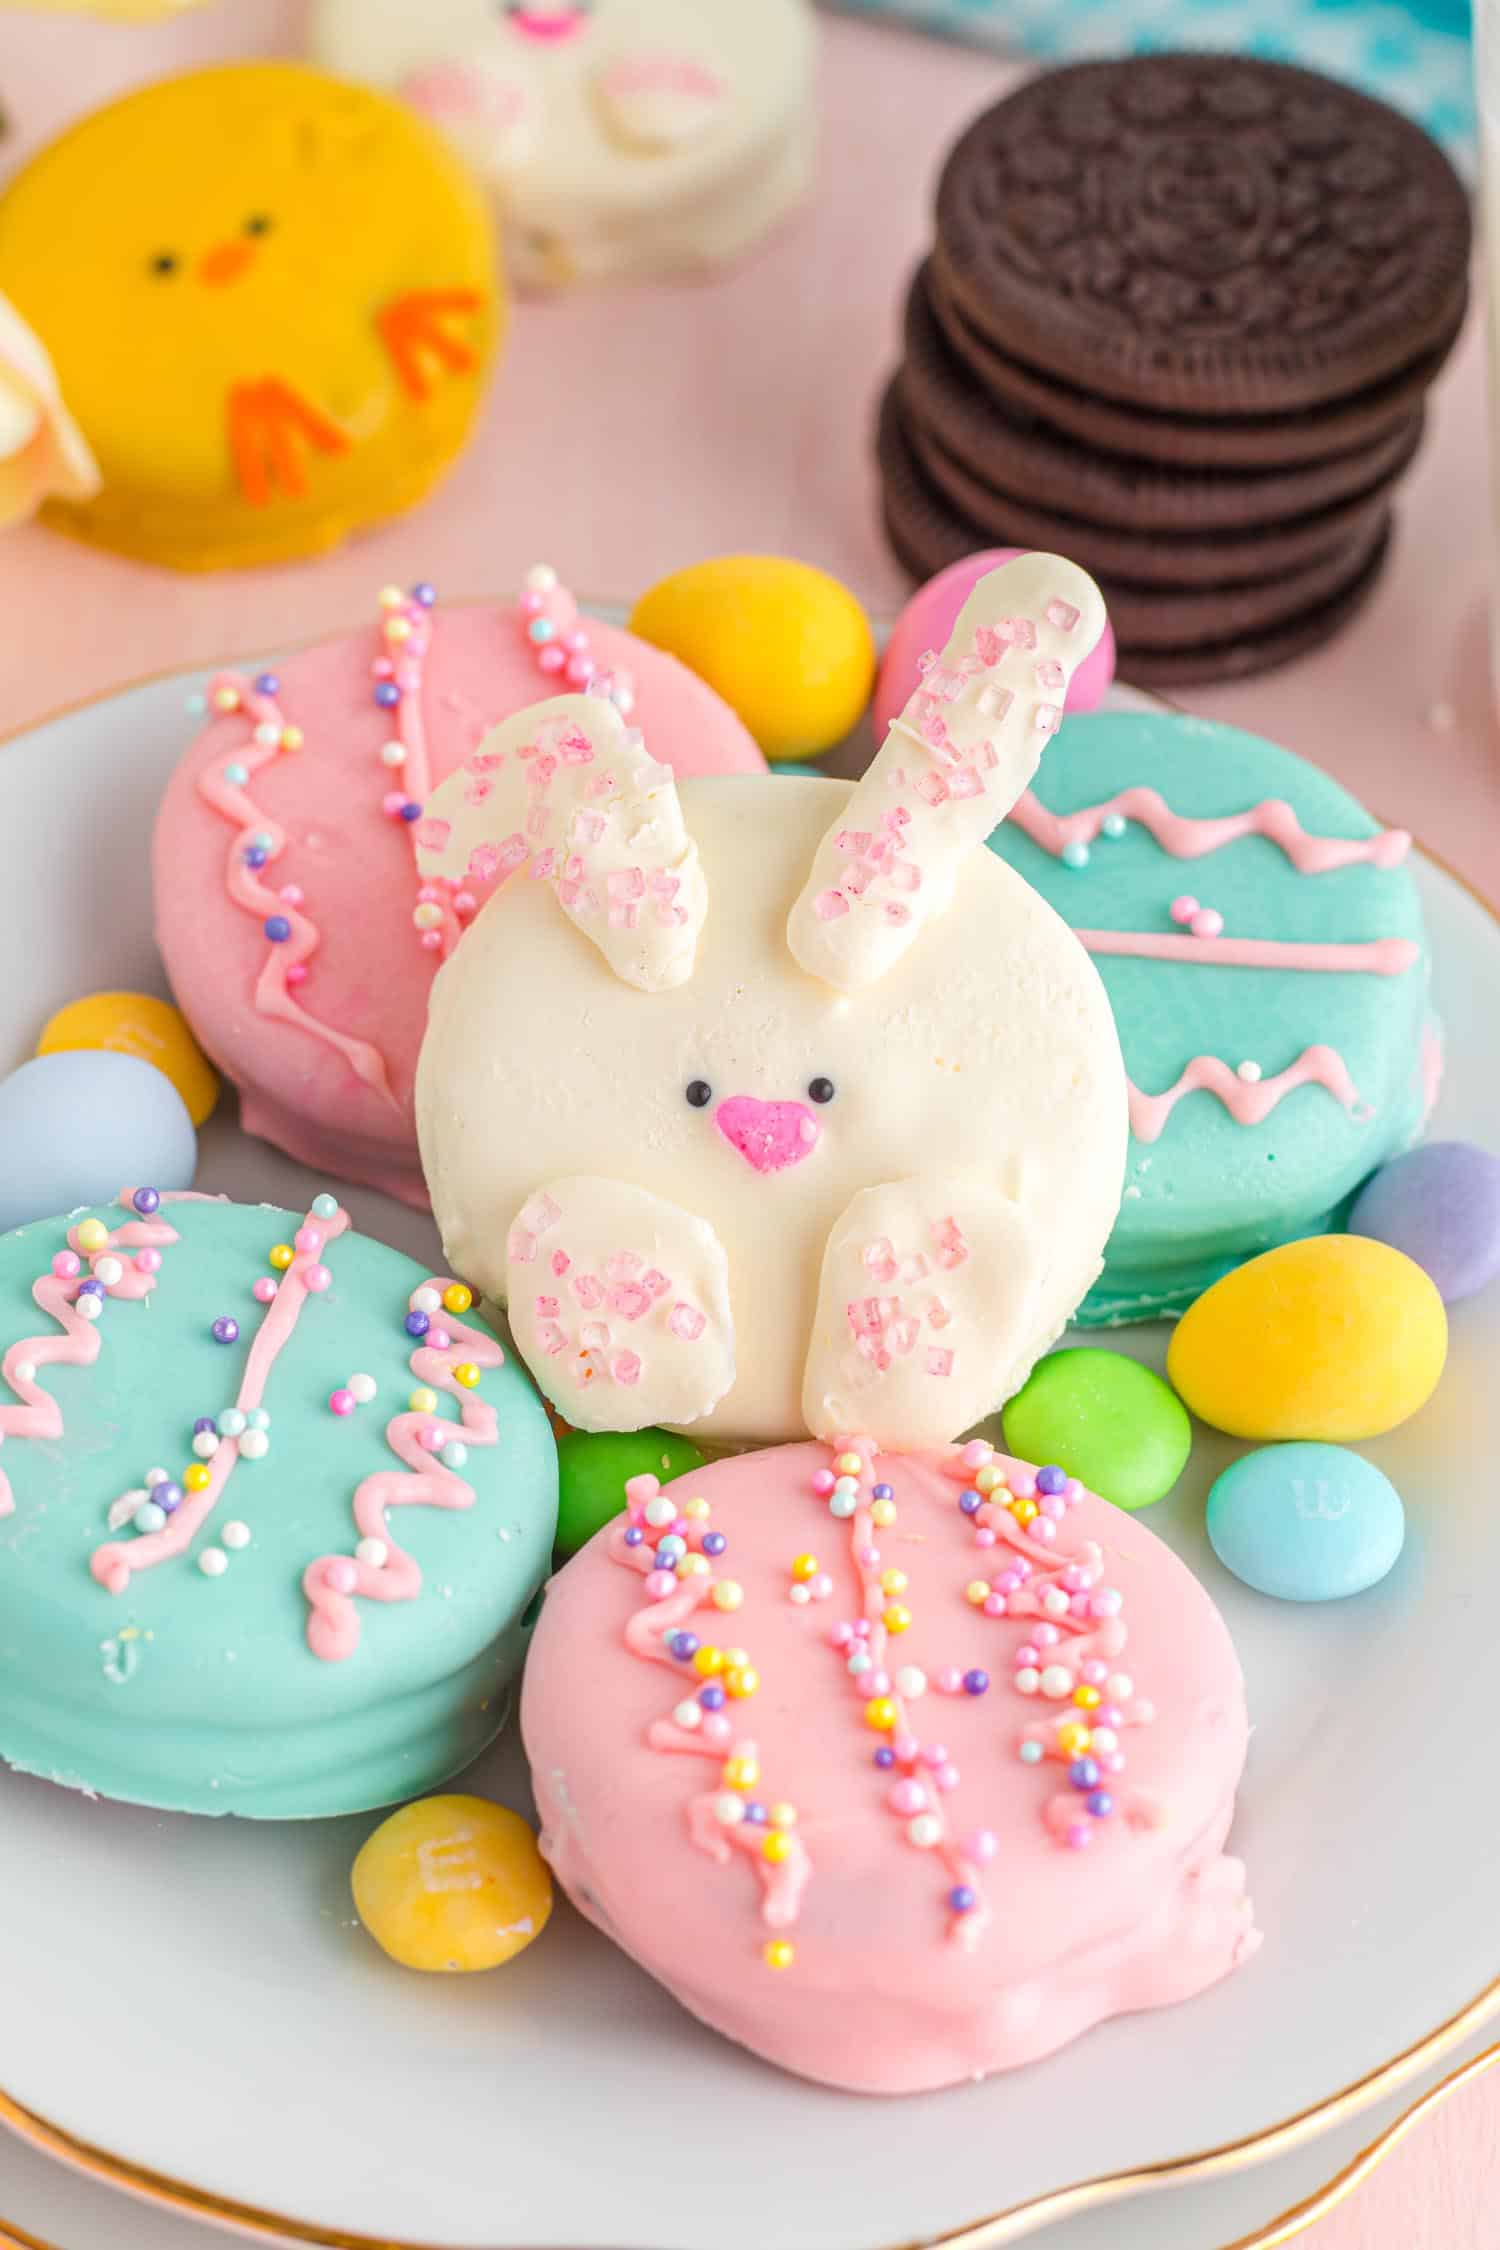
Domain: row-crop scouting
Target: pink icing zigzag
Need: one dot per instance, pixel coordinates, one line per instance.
(38, 1415)
(1382, 957)
(1248, 1102)
(334, 1583)
(1185, 837)
(1188, 838)
(782, 1884)
(115, 1563)
(273, 993)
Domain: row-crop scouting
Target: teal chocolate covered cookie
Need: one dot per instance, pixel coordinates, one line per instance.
(273, 1511)
(1261, 940)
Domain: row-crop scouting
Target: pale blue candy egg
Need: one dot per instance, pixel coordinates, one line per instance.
(1307, 1523)
(77, 1127)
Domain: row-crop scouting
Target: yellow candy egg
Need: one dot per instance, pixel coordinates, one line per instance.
(133, 1023)
(788, 648)
(1337, 1338)
(451, 1884)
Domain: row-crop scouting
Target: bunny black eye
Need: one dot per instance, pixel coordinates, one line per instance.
(163, 264)
(699, 1093)
(821, 1090)
(257, 223)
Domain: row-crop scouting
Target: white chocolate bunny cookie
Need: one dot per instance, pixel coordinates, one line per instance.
(794, 1108)
(623, 138)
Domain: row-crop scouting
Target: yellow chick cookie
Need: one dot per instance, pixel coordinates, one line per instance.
(452, 1884)
(271, 302)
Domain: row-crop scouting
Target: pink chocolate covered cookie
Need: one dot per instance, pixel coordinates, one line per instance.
(896, 1769)
(299, 937)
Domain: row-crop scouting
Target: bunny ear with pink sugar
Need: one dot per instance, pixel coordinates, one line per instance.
(568, 792)
(952, 765)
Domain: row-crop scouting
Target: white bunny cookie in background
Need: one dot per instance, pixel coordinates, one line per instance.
(794, 1108)
(624, 139)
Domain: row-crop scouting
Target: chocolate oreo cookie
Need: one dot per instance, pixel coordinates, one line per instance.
(1178, 323)
(1204, 235)
(1176, 560)
(1168, 634)
(1220, 441)
(1019, 456)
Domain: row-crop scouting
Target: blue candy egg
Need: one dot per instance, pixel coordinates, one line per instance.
(77, 1127)
(1307, 1523)
(1441, 1205)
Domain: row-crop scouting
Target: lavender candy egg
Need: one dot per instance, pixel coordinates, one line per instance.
(77, 1126)
(1440, 1204)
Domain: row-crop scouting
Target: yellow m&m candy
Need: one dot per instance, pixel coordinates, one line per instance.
(1335, 1339)
(133, 1023)
(451, 1884)
(788, 648)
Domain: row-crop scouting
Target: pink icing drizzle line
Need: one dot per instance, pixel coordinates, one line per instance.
(963, 1929)
(273, 996)
(333, 1621)
(782, 1886)
(1080, 1640)
(38, 1415)
(1384, 957)
(566, 661)
(406, 632)
(114, 1564)
(1188, 838)
(1247, 1104)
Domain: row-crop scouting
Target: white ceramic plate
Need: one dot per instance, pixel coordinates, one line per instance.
(194, 1997)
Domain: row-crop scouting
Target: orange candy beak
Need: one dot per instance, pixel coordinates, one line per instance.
(225, 263)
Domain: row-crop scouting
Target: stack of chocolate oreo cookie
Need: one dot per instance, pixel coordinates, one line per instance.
(1179, 324)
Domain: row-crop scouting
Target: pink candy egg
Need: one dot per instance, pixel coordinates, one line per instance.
(928, 619)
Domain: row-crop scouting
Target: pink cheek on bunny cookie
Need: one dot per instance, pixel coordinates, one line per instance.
(455, 94)
(771, 1136)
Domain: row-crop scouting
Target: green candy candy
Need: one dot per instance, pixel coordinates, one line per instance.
(594, 1469)
(1107, 1420)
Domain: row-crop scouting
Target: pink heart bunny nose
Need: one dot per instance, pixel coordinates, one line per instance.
(546, 24)
(769, 1135)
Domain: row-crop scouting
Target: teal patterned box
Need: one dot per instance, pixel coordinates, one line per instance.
(1416, 57)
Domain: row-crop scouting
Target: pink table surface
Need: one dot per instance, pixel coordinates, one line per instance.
(628, 434)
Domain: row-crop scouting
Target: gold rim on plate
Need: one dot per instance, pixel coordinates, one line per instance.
(991, 2233)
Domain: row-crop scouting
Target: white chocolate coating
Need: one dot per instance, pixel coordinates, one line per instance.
(569, 790)
(961, 752)
(983, 1064)
(622, 138)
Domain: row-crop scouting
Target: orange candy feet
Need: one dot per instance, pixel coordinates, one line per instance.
(415, 331)
(266, 421)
